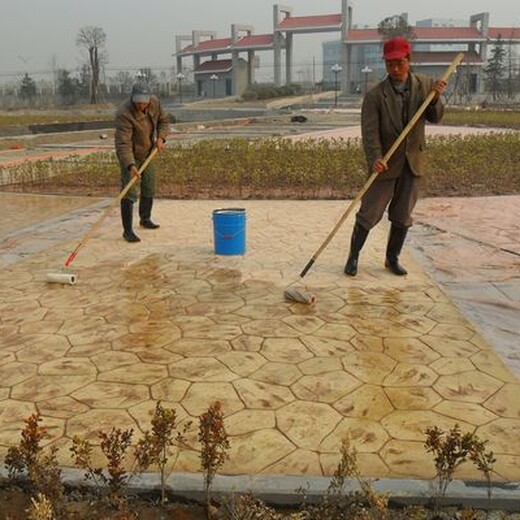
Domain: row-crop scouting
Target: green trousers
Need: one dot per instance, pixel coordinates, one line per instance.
(146, 184)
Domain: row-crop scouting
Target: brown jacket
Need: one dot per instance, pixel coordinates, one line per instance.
(381, 124)
(136, 132)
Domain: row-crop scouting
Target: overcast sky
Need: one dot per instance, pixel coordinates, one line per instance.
(34, 34)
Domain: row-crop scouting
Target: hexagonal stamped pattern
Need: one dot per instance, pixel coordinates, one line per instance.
(377, 358)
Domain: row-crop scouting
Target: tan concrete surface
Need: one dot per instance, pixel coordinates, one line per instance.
(379, 358)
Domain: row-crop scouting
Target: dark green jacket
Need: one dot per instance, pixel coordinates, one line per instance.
(381, 124)
(136, 132)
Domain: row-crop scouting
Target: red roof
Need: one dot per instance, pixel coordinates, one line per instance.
(443, 58)
(255, 40)
(506, 33)
(363, 35)
(451, 34)
(306, 22)
(208, 45)
(211, 66)
(447, 33)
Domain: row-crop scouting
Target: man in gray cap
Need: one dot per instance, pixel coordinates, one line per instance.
(387, 109)
(141, 124)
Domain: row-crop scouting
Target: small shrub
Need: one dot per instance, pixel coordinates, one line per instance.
(249, 95)
(29, 460)
(40, 508)
(339, 504)
(154, 447)
(450, 450)
(214, 446)
(114, 446)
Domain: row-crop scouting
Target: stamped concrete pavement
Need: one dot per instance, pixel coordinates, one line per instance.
(378, 358)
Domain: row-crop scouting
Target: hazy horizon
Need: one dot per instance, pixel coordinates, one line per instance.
(38, 37)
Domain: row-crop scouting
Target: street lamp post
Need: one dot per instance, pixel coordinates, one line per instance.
(180, 77)
(366, 70)
(336, 68)
(214, 79)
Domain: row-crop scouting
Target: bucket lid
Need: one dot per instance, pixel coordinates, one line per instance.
(229, 210)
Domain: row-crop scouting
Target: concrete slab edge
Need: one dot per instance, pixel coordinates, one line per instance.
(286, 490)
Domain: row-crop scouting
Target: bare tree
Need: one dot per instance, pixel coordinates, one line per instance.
(395, 26)
(123, 81)
(93, 40)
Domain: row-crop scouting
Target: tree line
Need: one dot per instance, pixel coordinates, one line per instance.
(501, 73)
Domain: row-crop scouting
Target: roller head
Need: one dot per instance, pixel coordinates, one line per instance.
(292, 294)
(64, 278)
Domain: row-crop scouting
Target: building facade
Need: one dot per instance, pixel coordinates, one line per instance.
(355, 58)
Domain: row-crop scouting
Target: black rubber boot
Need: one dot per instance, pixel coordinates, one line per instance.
(359, 235)
(393, 250)
(127, 213)
(145, 212)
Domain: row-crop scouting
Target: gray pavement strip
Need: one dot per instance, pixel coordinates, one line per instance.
(288, 490)
(47, 232)
(438, 229)
(491, 306)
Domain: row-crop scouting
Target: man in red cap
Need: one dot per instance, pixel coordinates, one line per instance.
(386, 110)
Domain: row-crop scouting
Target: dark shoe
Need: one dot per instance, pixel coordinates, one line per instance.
(359, 236)
(148, 224)
(351, 266)
(395, 267)
(393, 250)
(145, 213)
(130, 236)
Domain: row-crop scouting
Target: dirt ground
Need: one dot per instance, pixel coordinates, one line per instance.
(15, 503)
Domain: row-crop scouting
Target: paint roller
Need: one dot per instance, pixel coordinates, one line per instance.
(63, 278)
(69, 278)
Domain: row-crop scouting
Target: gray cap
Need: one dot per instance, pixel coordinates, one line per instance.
(140, 94)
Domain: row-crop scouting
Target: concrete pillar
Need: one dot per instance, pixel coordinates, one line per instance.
(277, 59)
(180, 41)
(278, 41)
(346, 50)
(481, 21)
(250, 67)
(234, 72)
(288, 58)
(236, 32)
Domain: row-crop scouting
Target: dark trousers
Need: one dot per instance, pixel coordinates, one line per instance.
(400, 195)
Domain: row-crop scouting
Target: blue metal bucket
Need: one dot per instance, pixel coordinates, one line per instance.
(229, 231)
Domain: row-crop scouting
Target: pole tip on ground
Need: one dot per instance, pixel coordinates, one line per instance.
(292, 294)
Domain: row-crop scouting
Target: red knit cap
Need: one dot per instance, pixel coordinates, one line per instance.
(396, 48)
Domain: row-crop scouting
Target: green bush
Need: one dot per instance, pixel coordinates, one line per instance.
(481, 117)
(264, 92)
(473, 165)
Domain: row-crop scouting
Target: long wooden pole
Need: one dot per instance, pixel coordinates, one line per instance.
(402, 136)
(104, 215)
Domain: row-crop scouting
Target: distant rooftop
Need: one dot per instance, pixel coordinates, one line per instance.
(292, 23)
